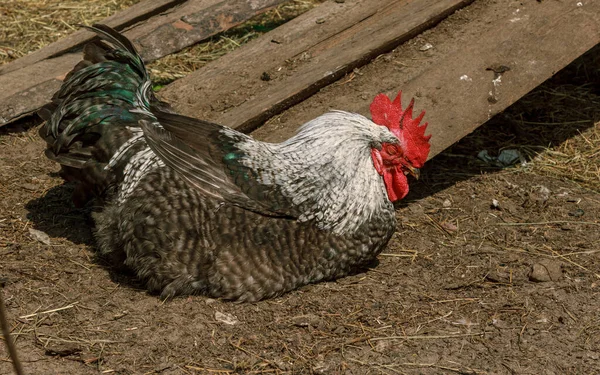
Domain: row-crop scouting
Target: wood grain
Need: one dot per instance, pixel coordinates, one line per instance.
(192, 22)
(453, 81)
(30, 82)
(127, 17)
(289, 64)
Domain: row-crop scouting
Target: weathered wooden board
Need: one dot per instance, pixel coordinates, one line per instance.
(453, 81)
(32, 85)
(136, 13)
(292, 62)
(186, 25)
(18, 99)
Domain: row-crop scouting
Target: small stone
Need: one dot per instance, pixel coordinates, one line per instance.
(40, 236)
(448, 226)
(498, 276)
(426, 47)
(545, 270)
(30, 187)
(495, 204)
(225, 318)
(447, 203)
(577, 213)
(306, 320)
(544, 192)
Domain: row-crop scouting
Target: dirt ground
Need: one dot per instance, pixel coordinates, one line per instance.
(491, 271)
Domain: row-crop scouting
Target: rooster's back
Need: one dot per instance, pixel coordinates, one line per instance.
(178, 205)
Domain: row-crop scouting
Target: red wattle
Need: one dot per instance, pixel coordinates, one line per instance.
(388, 181)
(396, 184)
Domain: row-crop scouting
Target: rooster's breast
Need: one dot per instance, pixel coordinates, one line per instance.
(180, 242)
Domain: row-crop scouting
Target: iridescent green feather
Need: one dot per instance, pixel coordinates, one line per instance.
(93, 113)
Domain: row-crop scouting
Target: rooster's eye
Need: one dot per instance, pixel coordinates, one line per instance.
(392, 149)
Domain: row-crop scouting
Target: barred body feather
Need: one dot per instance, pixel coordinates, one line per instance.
(193, 207)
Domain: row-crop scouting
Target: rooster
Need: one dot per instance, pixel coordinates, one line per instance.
(193, 207)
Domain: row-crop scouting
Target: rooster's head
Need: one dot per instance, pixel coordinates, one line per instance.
(395, 161)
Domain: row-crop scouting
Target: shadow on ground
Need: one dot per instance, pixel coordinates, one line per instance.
(558, 110)
(55, 214)
(561, 108)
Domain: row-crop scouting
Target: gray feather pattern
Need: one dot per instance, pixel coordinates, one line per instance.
(193, 207)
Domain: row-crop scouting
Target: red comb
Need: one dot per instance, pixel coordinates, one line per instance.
(412, 137)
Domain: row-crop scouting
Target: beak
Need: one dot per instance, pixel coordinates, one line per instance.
(413, 172)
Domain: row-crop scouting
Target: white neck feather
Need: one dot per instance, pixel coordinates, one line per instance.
(326, 169)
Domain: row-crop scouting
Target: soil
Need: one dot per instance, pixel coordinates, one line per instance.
(491, 271)
(452, 293)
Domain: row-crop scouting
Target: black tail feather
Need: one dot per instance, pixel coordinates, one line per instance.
(90, 117)
(113, 36)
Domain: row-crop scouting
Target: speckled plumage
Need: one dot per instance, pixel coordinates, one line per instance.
(196, 208)
(180, 242)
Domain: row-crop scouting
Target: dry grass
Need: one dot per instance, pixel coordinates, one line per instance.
(27, 25)
(577, 158)
(562, 118)
(556, 126)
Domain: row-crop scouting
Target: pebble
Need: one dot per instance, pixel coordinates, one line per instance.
(545, 270)
(225, 318)
(40, 236)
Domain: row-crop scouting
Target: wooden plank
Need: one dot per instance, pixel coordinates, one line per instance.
(187, 25)
(127, 17)
(452, 81)
(301, 57)
(18, 100)
(30, 87)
